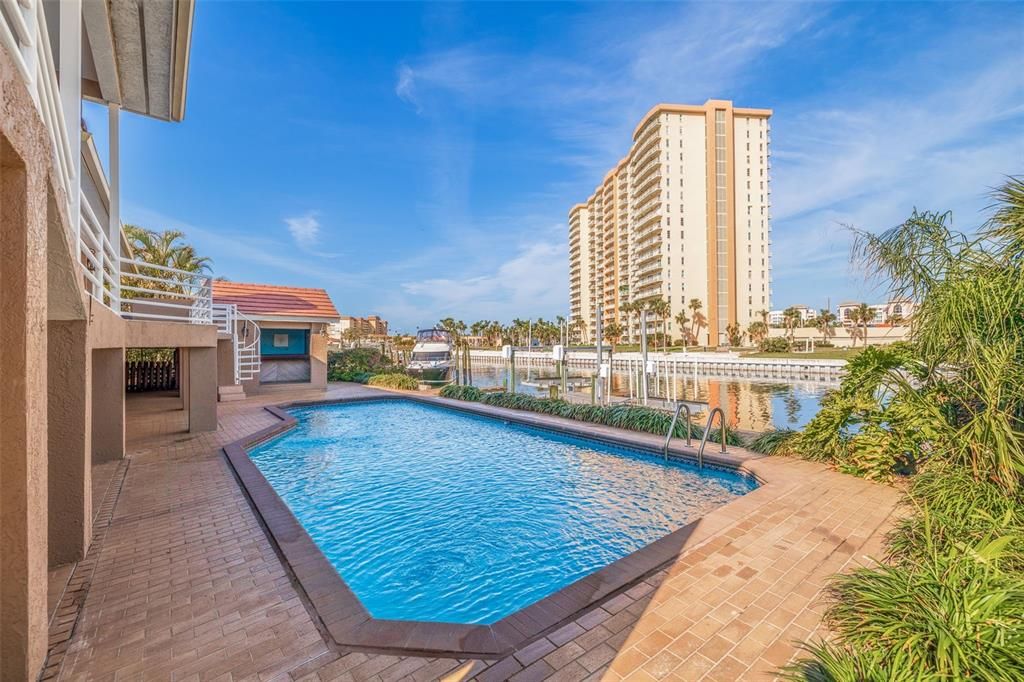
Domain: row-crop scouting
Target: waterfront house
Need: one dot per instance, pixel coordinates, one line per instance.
(74, 297)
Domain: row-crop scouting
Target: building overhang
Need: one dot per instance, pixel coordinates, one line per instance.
(136, 55)
(268, 319)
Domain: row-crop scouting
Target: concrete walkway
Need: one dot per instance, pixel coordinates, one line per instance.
(184, 584)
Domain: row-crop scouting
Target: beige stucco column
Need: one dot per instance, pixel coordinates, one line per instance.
(23, 488)
(317, 356)
(69, 440)
(201, 388)
(107, 404)
(225, 362)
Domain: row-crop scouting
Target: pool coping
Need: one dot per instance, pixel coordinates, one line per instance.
(349, 623)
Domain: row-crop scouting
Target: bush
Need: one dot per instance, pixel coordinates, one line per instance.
(356, 377)
(628, 417)
(775, 442)
(954, 613)
(358, 361)
(394, 380)
(456, 392)
(774, 345)
(959, 508)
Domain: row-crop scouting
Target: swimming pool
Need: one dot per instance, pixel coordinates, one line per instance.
(431, 514)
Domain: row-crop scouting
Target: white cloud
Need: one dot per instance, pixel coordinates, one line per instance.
(406, 86)
(305, 230)
(532, 282)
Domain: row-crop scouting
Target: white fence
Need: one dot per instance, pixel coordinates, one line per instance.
(715, 364)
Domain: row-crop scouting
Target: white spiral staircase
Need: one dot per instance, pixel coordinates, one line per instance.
(245, 343)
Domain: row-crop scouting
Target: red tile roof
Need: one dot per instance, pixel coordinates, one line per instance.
(266, 299)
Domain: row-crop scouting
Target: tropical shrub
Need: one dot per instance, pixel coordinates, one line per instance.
(628, 417)
(457, 392)
(775, 344)
(950, 615)
(948, 408)
(355, 377)
(358, 360)
(774, 442)
(394, 380)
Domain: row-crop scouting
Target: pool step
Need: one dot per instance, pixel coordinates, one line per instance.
(227, 394)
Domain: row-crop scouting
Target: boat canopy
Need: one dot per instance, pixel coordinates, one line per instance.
(433, 336)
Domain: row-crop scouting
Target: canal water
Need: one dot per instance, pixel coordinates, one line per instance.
(750, 404)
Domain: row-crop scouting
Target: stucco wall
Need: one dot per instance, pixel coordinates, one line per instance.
(69, 437)
(847, 337)
(25, 196)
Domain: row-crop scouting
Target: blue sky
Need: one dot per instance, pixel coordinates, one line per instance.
(418, 161)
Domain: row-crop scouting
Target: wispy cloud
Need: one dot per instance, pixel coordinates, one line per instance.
(532, 280)
(305, 230)
(406, 86)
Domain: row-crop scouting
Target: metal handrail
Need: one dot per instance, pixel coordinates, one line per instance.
(707, 430)
(672, 427)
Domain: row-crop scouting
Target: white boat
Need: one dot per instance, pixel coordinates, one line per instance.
(431, 359)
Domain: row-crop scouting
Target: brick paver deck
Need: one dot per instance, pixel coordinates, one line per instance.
(186, 585)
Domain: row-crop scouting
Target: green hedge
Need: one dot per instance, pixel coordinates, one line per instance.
(774, 345)
(355, 377)
(353, 363)
(628, 417)
(394, 380)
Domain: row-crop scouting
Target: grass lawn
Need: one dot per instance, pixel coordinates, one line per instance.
(822, 354)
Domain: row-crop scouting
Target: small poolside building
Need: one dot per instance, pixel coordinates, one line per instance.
(280, 337)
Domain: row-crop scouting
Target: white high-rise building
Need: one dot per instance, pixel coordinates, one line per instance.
(684, 216)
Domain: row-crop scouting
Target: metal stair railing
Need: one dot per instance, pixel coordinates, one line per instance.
(247, 359)
(245, 339)
(707, 430)
(672, 427)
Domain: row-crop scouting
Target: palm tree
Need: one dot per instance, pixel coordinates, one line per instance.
(735, 334)
(790, 318)
(861, 315)
(660, 308)
(457, 328)
(580, 325)
(613, 332)
(627, 310)
(824, 322)
(697, 319)
(757, 331)
(166, 249)
(682, 320)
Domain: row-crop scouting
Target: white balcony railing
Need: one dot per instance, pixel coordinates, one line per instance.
(23, 33)
(100, 260)
(156, 292)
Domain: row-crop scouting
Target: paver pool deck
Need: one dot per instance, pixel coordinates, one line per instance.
(183, 581)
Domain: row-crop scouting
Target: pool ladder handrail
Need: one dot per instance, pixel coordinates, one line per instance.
(723, 435)
(672, 428)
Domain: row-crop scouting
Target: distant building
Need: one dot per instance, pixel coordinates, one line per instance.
(350, 328)
(778, 317)
(897, 310)
(684, 215)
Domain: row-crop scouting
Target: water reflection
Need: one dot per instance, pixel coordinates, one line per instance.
(750, 404)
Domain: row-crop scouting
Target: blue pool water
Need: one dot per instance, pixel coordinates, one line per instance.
(435, 515)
